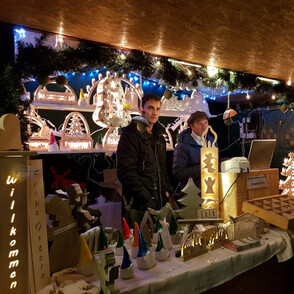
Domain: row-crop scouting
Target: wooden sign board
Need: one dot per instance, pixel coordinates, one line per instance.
(38, 244)
(13, 226)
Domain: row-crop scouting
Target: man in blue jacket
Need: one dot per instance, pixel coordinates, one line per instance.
(186, 159)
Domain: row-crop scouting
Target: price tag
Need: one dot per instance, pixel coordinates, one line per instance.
(257, 182)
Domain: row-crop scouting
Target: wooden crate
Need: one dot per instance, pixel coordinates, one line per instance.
(232, 205)
(277, 210)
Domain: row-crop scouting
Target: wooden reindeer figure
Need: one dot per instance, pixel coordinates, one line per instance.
(165, 235)
(60, 182)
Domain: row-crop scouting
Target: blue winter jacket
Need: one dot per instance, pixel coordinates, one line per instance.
(186, 159)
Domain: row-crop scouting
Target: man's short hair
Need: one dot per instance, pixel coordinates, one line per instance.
(148, 97)
(196, 116)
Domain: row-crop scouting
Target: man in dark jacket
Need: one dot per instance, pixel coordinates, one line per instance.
(186, 160)
(141, 166)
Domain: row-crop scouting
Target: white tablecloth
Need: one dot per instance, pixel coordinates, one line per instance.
(205, 271)
(202, 272)
(111, 214)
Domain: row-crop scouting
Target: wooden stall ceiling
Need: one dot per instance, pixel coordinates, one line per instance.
(253, 36)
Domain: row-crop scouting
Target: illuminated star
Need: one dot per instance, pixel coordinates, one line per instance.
(112, 84)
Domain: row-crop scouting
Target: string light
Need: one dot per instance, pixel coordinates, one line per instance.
(211, 70)
(247, 96)
(21, 33)
(273, 97)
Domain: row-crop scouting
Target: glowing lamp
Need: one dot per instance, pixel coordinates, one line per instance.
(209, 172)
(227, 116)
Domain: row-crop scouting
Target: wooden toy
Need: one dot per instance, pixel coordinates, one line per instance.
(120, 244)
(10, 132)
(245, 225)
(161, 253)
(79, 198)
(107, 271)
(127, 235)
(126, 268)
(75, 133)
(135, 246)
(63, 233)
(145, 258)
(43, 95)
(217, 239)
(92, 238)
(191, 201)
(193, 246)
(277, 210)
(166, 239)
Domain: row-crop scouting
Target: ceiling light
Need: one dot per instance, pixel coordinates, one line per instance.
(184, 63)
(212, 71)
(268, 80)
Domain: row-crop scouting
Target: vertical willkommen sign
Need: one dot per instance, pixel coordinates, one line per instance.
(13, 225)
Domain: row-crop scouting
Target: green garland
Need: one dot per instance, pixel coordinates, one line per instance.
(40, 61)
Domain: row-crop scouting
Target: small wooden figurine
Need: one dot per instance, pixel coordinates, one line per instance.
(161, 253)
(135, 246)
(120, 244)
(165, 234)
(127, 234)
(107, 271)
(193, 246)
(79, 199)
(191, 201)
(146, 258)
(126, 268)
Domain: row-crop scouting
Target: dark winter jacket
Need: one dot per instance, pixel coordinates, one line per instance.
(186, 159)
(141, 166)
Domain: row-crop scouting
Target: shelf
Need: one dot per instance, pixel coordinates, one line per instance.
(62, 107)
(74, 152)
(91, 108)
